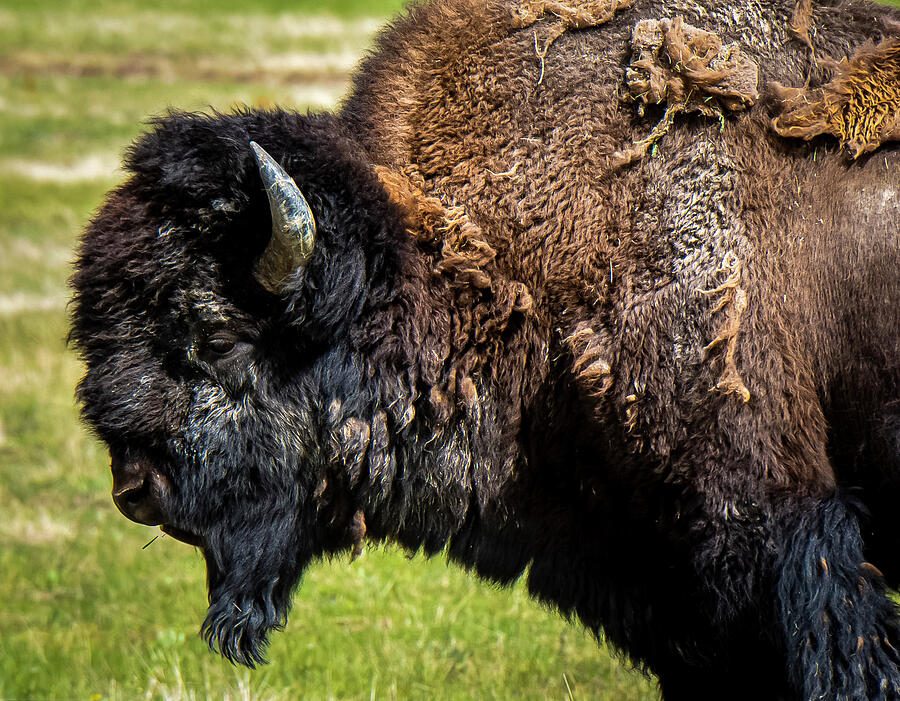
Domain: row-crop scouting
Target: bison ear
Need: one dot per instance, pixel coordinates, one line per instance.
(293, 226)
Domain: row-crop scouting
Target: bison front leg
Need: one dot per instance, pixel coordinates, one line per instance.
(794, 610)
(840, 629)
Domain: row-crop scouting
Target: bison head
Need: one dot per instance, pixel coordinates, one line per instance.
(224, 362)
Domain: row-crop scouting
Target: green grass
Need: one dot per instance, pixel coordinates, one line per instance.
(87, 613)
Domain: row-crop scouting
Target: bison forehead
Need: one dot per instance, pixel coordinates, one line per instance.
(205, 305)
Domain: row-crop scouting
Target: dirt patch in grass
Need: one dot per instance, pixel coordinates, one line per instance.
(278, 69)
(92, 167)
(35, 528)
(20, 302)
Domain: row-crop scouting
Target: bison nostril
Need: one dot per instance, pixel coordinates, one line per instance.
(141, 498)
(131, 497)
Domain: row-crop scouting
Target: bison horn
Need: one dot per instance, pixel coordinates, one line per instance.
(293, 225)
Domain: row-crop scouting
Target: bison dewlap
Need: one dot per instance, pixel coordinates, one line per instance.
(548, 294)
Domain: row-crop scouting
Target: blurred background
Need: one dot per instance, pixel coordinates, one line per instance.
(89, 610)
(86, 612)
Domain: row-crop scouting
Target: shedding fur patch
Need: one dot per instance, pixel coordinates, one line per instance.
(485, 301)
(801, 22)
(569, 14)
(688, 69)
(425, 215)
(573, 15)
(465, 256)
(591, 359)
(734, 301)
(358, 533)
(860, 105)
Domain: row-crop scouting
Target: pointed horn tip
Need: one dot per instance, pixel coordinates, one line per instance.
(275, 176)
(265, 163)
(261, 155)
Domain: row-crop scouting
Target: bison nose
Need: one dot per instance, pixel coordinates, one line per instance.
(139, 492)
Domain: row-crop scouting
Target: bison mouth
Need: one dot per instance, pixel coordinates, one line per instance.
(179, 534)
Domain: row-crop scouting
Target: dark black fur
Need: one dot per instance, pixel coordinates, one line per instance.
(815, 572)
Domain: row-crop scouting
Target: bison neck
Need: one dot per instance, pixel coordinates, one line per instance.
(451, 419)
(470, 439)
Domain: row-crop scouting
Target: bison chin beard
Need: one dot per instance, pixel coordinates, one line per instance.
(254, 560)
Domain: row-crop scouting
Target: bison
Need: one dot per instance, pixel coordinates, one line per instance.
(602, 293)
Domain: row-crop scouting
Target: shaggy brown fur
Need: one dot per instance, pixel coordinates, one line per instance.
(570, 15)
(703, 269)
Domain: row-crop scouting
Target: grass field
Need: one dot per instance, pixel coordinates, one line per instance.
(87, 612)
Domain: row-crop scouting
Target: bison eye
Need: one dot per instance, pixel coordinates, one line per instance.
(219, 344)
(227, 357)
